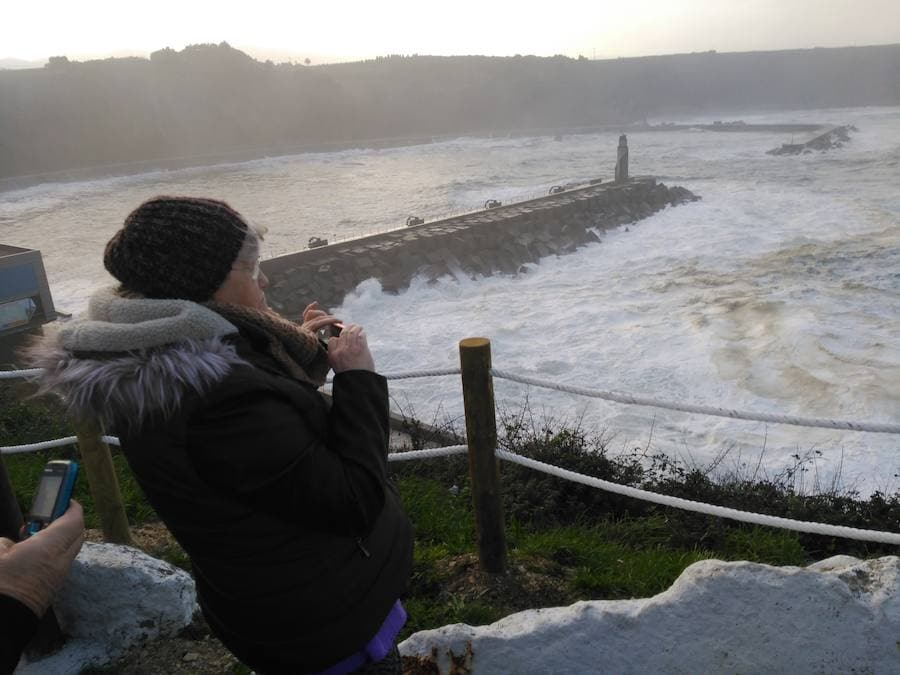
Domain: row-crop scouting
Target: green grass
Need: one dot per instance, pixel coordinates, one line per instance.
(443, 522)
(609, 559)
(607, 568)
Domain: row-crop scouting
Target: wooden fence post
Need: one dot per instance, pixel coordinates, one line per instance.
(481, 432)
(104, 485)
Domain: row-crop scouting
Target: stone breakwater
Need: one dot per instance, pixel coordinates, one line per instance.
(831, 139)
(498, 240)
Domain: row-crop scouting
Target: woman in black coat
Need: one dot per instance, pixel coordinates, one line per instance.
(298, 544)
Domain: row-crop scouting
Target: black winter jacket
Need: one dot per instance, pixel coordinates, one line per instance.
(296, 536)
(297, 540)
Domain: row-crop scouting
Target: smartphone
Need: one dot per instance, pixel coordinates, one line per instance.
(53, 495)
(329, 331)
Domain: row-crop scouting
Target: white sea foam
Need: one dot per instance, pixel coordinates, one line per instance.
(778, 292)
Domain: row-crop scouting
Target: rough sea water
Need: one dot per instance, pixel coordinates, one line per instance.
(778, 292)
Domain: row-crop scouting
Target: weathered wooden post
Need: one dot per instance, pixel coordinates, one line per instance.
(103, 483)
(481, 432)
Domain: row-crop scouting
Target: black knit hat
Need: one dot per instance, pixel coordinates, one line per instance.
(176, 247)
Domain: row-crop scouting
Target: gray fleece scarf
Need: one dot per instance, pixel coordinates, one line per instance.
(130, 358)
(296, 349)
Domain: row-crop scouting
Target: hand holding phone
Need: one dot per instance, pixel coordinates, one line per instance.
(350, 350)
(52, 496)
(32, 571)
(320, 322)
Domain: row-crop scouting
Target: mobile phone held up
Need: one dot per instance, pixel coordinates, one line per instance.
(53, 495)
(329, 331)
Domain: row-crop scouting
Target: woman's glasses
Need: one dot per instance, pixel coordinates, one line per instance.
(254, 271)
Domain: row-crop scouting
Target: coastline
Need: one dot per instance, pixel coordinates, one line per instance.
(240, 155)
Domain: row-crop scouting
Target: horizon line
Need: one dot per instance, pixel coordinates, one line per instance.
(299, 58)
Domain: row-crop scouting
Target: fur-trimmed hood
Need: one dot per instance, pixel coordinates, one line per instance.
(129, 358)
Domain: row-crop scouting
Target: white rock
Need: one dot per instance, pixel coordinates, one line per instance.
(838, 616)
(115, 597)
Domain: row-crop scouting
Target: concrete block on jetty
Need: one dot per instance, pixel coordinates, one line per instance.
(481, 243)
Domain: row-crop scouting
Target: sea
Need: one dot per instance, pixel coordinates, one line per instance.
(778, 292)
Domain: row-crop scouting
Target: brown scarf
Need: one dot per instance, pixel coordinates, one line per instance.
(295, 348)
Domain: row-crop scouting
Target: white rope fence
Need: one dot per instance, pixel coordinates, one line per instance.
(874, 427)
(700, 507)
(624, 490)
(411, 374)
(16, 374)
(56, 443)
(34, 447)
(428, 453)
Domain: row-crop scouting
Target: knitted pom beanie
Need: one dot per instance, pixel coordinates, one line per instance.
(176, 247)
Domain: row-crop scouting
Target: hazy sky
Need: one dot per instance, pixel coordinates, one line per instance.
(36, 29)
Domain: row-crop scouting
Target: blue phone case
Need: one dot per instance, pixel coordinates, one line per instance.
(65, 492)
(63, 497)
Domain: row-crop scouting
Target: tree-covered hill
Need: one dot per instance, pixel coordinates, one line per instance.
(209, 99)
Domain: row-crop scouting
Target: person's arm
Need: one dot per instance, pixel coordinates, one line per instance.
(31, 572)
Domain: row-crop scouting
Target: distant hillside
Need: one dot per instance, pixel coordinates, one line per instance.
(210, 99)
(19, 63)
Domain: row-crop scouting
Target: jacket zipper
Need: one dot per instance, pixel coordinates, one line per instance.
(362, 548)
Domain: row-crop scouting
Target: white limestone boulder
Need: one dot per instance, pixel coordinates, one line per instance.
(838, 616)
(114, 598)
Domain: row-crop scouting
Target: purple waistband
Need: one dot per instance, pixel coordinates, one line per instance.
(377, 648)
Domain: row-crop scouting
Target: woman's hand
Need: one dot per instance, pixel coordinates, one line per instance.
(32, 571)
(350, 350)
(315, 319)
